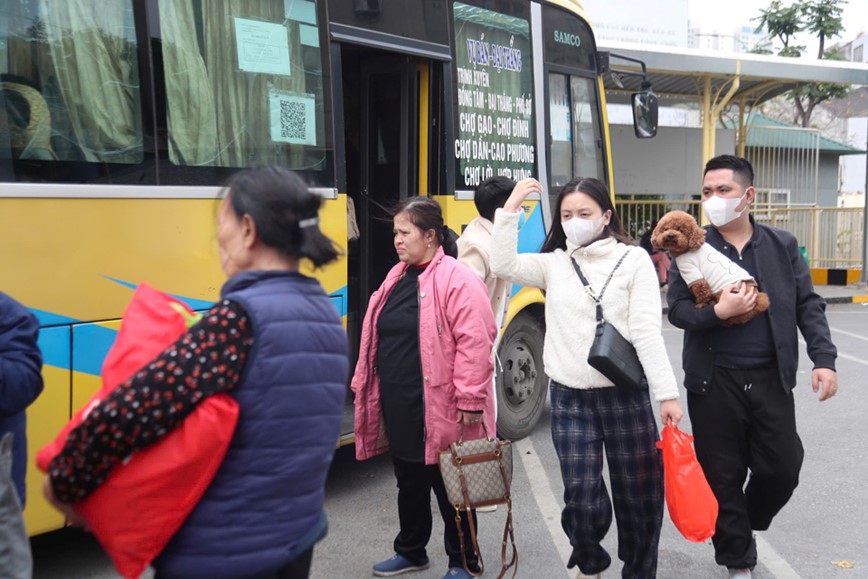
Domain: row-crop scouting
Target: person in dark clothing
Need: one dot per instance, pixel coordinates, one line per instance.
(739, 379)
(659, 258)
(275, 342)
(20, 384)
(427, 380)
(20, 380)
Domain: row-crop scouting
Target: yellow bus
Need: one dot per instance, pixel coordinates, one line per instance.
(120, 119)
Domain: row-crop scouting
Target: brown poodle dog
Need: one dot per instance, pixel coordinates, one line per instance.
(705, 270)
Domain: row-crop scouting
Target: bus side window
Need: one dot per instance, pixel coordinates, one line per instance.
(236, 100)
(27, 121)
(71, 86)
(352, 223)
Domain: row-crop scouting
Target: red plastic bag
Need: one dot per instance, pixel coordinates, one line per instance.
(692, 506)
(146, 498)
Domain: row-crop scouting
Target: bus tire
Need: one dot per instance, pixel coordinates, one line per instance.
(522, 384)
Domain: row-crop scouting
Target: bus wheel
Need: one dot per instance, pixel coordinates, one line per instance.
(522, 384)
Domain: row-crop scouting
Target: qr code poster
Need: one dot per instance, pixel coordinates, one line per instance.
(292, 118)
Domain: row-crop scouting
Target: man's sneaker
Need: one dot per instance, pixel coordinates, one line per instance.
(488, 509)
(457, 573)
(396, 565)
(739, 574)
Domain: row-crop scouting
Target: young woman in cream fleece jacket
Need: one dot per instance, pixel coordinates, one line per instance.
(588, 410)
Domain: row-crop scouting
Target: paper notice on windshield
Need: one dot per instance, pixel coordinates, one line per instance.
(262, 47)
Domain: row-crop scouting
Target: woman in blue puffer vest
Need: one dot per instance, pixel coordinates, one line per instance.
(275, 342)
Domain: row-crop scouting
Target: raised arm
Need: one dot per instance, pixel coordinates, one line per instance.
(527, 268)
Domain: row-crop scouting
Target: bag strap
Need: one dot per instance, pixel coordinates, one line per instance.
(476, 549)
(589, 290)
(508, 530)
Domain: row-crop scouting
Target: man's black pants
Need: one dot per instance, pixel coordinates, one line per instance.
(746, 421)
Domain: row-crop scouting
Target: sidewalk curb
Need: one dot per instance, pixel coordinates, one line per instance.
(847, 300)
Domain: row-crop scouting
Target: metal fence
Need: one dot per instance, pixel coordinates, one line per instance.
(832, 237)
(638, 215)
(786, 161)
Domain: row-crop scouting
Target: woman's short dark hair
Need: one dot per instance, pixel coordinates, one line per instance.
(425, 214)
(285, 212)
(491, 195)
(596, 190)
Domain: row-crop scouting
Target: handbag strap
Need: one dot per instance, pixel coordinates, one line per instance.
(589, 290)
(508, 530)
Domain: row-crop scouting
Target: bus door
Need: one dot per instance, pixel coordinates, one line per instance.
(381, 104)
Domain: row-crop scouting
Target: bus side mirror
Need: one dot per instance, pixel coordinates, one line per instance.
(644, 114)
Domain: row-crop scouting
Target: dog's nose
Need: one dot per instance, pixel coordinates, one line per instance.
(670, 236)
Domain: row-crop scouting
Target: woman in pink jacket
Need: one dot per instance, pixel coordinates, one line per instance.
(423, 378)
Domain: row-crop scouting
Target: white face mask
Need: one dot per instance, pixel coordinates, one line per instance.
(580, 231)
(721, 211)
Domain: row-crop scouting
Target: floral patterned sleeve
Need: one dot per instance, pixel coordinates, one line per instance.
(208, 359)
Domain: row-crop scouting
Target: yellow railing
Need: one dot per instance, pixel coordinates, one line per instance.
(832, 237)
(638, 215)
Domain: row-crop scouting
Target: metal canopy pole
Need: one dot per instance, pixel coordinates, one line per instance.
(711, 109)
(863, 279)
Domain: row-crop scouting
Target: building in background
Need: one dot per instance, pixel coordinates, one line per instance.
(623, 21)
(703, 36)
(851, 115)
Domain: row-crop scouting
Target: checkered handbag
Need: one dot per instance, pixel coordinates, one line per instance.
(485, 467)
(478, 473)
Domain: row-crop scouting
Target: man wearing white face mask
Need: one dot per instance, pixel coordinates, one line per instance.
(589, 410)
(739, 379)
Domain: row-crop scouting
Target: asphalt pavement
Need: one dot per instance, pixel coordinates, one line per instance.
(820, 533)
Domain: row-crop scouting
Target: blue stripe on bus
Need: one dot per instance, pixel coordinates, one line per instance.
(343, 294)
(531, 237)
(50, 319)
(55, 347)
(533, 233)
(192, 303)
(91, 344)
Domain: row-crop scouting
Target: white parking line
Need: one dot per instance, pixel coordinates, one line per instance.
(770, 559)
(851, 334)
(862, 361)
(550, 509)
(546, 501)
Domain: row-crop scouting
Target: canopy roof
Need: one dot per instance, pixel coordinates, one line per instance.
(791, 137)
(680, 73)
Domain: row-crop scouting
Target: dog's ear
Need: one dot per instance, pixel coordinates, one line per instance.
(697, 238)
(662, 225)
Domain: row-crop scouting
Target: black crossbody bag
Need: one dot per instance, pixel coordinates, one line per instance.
(611, 354)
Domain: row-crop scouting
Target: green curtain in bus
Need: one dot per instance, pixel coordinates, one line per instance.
(93, 53)
(192, 117)
(241, 97)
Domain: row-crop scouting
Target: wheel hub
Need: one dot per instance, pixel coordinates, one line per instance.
(519, 374)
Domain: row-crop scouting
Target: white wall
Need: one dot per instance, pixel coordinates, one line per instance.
(669, 164)
(853, 166)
